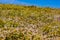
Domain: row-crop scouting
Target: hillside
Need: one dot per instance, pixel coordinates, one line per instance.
(18, 22)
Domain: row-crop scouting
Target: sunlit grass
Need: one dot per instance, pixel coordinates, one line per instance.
(28, 23)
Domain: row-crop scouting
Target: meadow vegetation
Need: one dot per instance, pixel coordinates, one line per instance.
(18, 22)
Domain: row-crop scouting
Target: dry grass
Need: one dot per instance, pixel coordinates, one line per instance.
(29, 23)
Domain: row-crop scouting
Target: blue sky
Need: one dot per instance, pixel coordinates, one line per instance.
(42, 3)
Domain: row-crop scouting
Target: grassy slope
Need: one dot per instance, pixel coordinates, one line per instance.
(28, 22)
